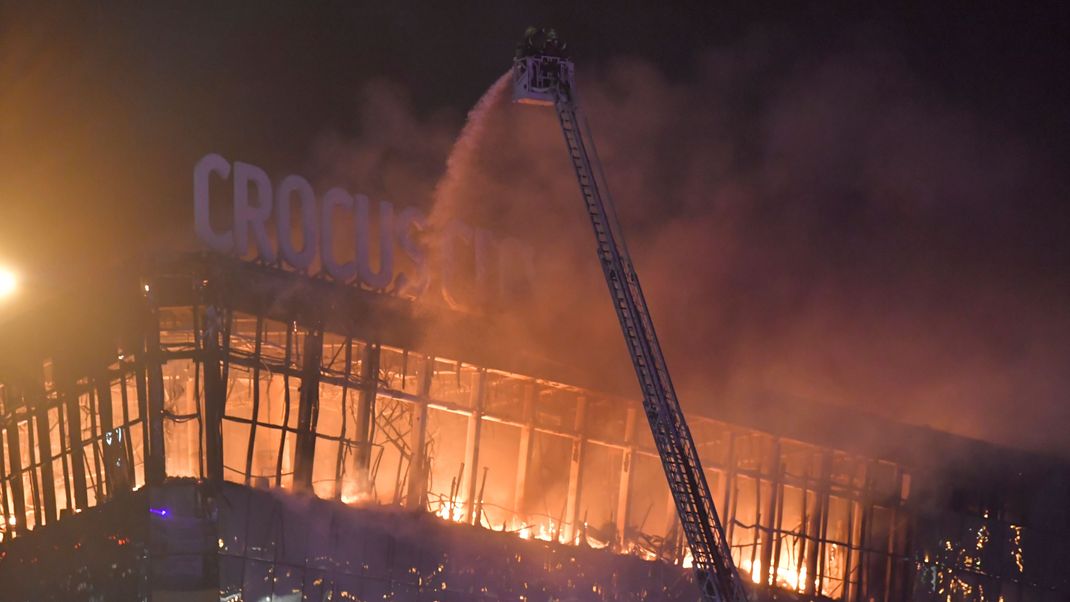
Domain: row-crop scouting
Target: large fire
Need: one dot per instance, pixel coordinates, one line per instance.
(553, 463)
(547, 469)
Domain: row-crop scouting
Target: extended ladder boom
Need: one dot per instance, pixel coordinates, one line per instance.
(547, 79)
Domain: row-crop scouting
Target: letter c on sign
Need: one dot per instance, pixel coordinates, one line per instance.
(202, 214)
(302, 259)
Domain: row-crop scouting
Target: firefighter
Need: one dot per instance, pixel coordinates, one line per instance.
(540, 40)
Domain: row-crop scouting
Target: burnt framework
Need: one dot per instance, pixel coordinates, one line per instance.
(211, 324)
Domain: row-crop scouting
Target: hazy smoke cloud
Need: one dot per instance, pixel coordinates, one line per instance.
(821, 229)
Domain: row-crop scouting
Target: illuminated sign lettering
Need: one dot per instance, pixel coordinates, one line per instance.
(286, 222)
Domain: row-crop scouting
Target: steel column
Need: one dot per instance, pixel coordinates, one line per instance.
(5, 497)
(339, 464)
(893, 529)
(308, 409)
(155, 468)
(471, 448)
(524, 453)
(575, 486)
(102, 387)
(215, 394)
(770, 514)
(624, 488)
(18, 495)
(816, 530)
(365, 407)
(416, 497)
(65, 386)
(259, 337)
(44, 445)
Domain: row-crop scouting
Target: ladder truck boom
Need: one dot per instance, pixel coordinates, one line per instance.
(543, 75)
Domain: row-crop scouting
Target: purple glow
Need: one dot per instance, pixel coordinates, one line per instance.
(159, 511)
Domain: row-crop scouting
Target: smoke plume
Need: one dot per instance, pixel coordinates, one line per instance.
(826, 230)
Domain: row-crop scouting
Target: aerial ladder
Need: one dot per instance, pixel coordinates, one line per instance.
(543, 75)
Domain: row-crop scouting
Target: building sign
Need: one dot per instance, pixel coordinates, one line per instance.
(352, 239)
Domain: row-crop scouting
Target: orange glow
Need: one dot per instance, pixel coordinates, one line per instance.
(522, 482)
(788, 576)
(9, 282)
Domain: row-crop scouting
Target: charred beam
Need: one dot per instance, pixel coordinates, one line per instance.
(369, 387)
(471, 447)
(527, 432)
(624, 486)
(416, 497)
(215, 394)
(575, 485)
(308, 409)
(155, 470)
(44, 444)
(18, 496)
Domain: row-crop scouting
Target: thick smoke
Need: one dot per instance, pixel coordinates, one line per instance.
(828, 230)
(463, 159)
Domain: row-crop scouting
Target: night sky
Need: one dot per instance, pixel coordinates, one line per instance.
(834, 202)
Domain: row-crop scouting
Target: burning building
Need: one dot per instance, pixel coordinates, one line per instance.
(220, 429)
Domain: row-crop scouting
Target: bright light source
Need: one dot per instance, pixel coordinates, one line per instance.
(8, 282)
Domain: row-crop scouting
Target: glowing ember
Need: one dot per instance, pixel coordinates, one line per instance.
(452, 511)
(788, 576)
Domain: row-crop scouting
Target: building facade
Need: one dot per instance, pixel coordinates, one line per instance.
(207, 377)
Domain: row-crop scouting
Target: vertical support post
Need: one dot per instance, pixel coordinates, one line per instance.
(155, 470)
(291, 330)
(18, 496)
(74, 438)
(729, 519)
(44, 445)
(856, 545)
(64, 457)
(523, 460)
(905, 527)
(257, 346)
(826, 500)
(35, 487)
(215, 393)
(308, 409)
(96, 475)
(369, 388)
(104, 402)
(125, 400)
(339, 465)
(893, 532)
(102, 386)
(5, 497)
(778, 523)
(471, 448)
(769, 513)
(848, 552)
(756, 543)
(815, 531)
(625, 485)
(804, 528)
(575, 465)
(142, 394)
(865, 578)
(416, 496)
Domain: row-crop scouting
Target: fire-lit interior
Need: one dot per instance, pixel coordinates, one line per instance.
(386, 425)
